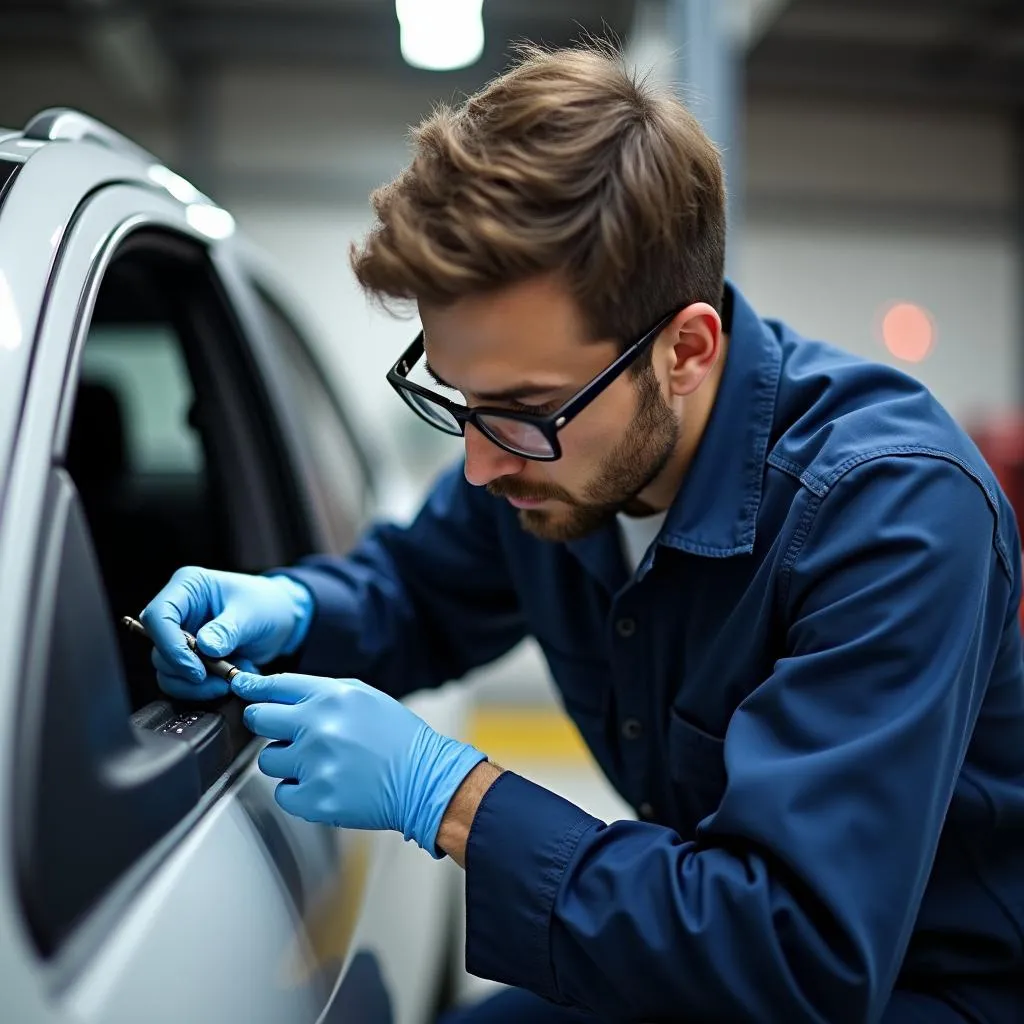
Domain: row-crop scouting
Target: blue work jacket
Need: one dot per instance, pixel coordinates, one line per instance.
(811, 690)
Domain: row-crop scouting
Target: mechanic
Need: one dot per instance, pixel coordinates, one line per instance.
(777, 587)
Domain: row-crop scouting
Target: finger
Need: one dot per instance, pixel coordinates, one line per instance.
(279, 761)
(283, 688)
(357, 684)
(274, 721)
(289, 798)
(173, 609)
(184, 689)
(172, 682)
(168, 667)
(225, 633)
(163, 666)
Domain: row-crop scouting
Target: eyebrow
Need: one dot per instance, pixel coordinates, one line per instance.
(527, 389)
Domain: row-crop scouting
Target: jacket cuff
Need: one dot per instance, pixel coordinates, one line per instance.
(521, 840)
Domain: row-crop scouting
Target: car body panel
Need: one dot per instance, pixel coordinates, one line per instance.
(223, 864)
(218, 914)
(37, 210)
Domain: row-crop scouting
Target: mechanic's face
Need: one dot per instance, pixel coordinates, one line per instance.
(530, 339)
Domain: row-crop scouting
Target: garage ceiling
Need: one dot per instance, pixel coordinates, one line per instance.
(960, 52)
(963, 52)
(357, 35)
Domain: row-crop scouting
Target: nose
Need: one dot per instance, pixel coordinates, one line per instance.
(485, 461)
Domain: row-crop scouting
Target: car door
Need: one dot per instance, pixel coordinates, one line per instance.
(154, 877)
(411, 903)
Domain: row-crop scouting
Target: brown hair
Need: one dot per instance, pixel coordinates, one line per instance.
(567, 163)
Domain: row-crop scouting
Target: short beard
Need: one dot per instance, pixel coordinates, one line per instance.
(638, 458)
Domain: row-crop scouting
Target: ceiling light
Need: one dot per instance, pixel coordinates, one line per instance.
(441, 35)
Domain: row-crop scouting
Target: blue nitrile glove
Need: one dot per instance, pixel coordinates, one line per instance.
(352, 756)
(252, 618)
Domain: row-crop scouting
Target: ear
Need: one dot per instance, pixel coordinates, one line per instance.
(690, 346)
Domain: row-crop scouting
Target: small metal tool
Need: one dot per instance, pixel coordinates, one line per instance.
(216, 666)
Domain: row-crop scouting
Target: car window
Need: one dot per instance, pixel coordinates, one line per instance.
(138, 463)
(340, 477)
(143, 366)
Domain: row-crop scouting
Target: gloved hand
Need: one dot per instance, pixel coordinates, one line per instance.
(253, 618)
(352, 756)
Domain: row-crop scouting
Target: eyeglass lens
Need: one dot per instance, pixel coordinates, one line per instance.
(436, 415)
(518, 435)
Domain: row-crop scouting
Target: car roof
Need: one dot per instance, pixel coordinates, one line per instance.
(61, 156)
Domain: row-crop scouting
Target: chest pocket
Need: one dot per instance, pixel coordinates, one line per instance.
(697, 771)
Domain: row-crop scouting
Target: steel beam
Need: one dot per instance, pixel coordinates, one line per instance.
(364, 37)
(710, 69)
(871, 71)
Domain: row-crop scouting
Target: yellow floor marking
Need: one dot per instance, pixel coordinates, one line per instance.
(526, 734)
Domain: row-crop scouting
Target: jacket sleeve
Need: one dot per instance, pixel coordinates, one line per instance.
(413, 607)
(796, 899)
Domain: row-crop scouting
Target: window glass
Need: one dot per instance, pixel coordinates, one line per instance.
(143, 366)
(138, 463)
(340, 484)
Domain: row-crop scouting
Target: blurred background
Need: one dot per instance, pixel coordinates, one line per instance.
(874, 153)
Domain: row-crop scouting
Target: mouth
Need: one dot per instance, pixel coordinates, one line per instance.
(526, 502)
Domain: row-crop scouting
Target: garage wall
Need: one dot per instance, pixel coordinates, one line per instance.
(837, 289)
(853, 209)
(848, 208)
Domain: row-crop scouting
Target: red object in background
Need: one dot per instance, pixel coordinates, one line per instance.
(1001, 441)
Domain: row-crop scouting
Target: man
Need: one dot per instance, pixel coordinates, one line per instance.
(777, 587)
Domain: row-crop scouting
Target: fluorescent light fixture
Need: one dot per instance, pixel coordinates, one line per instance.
(441, 35)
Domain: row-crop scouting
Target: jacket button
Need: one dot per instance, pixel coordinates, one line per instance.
(646, 811)
(632, 729)
(625, 627)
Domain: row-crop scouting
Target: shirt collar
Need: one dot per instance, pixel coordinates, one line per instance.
(715, 512)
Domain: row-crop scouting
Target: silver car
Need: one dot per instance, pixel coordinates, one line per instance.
(158, 408)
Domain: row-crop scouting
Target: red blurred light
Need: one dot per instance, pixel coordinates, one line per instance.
(908, 331)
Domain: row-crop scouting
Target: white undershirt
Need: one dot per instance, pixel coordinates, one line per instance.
(638, 533)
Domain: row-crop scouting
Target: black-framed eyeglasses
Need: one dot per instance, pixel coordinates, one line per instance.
(528, 435)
